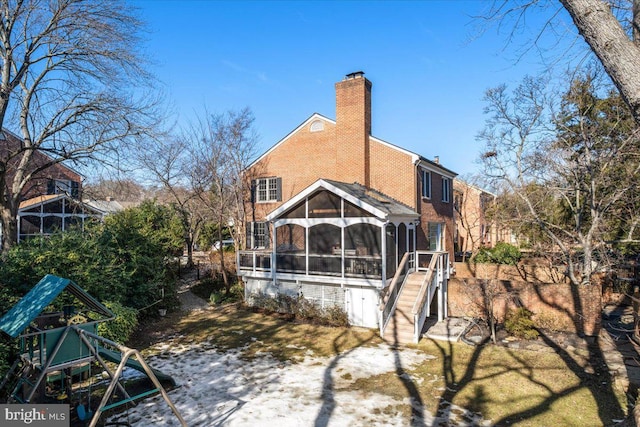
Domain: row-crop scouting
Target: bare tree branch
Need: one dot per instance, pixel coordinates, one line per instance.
(73, 86)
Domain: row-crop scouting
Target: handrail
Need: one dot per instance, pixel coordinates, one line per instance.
(436, 277)
(386, 291)
(425, 284)
(389, 294)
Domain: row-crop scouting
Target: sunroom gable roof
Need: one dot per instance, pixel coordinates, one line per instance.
(50, 198)
(372, 201)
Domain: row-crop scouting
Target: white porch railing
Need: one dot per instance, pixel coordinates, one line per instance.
(261, 263)
(254, 261)
(436, 278)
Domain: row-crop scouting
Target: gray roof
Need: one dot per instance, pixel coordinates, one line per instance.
(106, 206)
(375, 198)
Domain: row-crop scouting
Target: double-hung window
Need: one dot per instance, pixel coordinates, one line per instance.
(446, 190)
(257, 235)
(268, 189)
(426, 184)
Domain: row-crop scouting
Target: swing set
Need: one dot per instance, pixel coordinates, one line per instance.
(62, 345)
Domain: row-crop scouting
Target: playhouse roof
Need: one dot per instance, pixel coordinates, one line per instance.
(16, 320)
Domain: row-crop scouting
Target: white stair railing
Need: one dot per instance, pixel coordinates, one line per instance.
(435, 279)
(389, 295)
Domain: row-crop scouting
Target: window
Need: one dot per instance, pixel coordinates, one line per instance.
(63, 186)
(436, 234)
(268, 189)
(446, 190)
(457, 200)
(316, 126)
(257, 235)
(426, 184)
(485, 231)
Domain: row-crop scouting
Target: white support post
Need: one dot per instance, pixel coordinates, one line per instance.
(273, 254)
(439, 277)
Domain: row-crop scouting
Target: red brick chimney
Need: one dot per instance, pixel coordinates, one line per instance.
(353, 127)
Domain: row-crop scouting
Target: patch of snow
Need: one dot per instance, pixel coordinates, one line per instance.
(219, 388)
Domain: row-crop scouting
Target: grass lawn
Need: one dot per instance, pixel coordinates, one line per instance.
(506, 386)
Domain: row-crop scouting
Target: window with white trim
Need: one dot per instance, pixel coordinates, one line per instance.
(268, 189)
(257, 235)
(426, 184)
(446, 190)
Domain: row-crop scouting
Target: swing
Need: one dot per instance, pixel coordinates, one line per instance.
(83, 414)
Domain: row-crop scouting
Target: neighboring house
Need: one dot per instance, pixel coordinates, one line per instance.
(475, 227)
(55, 179)
(342, 218)
(51, 199)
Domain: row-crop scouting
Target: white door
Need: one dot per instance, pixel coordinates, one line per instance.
(362, 306)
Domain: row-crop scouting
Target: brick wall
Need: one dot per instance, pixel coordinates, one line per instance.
(435, 210)
(559, 306)
(308, 156)
(353, 128)
(37, 186)
(393, 173)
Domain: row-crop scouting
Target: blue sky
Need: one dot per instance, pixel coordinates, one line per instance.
(427, 62)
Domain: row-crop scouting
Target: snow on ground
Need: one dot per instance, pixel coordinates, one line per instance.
(219, 388)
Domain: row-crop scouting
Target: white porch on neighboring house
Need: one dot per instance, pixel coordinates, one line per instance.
(345, 245)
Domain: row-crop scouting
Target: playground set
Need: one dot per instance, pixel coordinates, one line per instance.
(60, 350)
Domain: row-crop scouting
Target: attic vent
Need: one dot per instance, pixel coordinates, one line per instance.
(316, 126)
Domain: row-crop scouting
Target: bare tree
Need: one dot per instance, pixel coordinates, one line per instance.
(122, 190)
(223, 146)
(70, 73)
(170, 161)
(566, 168)
(610, 28)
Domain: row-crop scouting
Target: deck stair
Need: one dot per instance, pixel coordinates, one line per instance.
(405, 303)
(400, 329)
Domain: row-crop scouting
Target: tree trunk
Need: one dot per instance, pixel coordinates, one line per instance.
(619, 55)
(189, 243)
(225, 278)
(9, 229)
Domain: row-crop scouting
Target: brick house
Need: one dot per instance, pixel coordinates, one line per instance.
(474, 228)
(51, 199)
(343, 218)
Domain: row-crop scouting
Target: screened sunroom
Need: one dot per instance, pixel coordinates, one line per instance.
(334, 232)
(45, 215)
